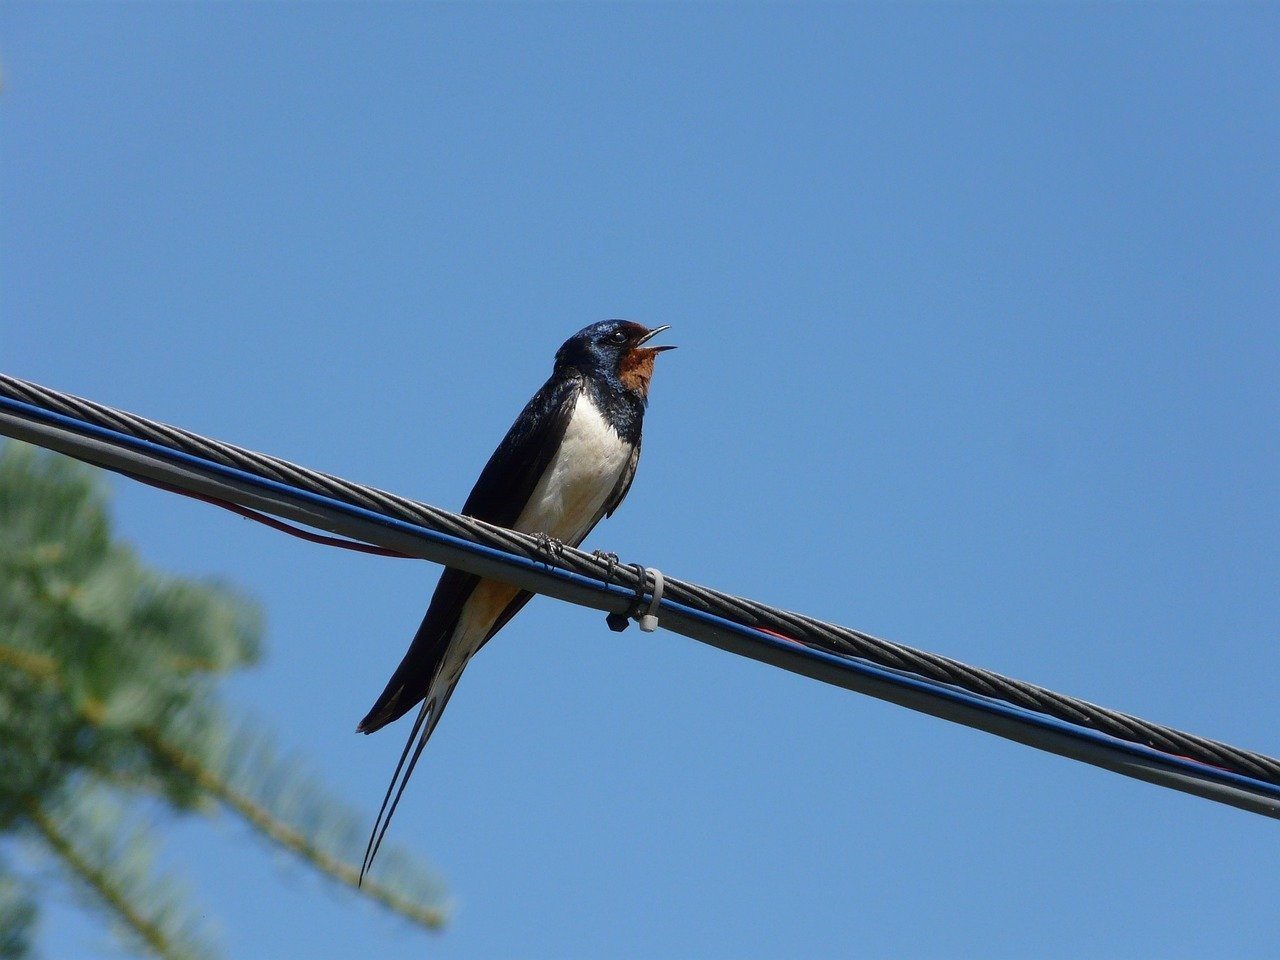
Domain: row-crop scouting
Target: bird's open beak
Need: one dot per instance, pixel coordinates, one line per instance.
(653, 333)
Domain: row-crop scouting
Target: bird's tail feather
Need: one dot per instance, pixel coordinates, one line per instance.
(426, 720)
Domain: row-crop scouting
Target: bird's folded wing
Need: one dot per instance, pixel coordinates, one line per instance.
(500, 494)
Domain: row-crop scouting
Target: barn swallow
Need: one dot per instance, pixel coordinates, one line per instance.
(566, 462)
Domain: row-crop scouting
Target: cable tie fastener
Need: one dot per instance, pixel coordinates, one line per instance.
(649, 622)
(649, 618)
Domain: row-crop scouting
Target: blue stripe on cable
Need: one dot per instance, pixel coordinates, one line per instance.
(945, 692)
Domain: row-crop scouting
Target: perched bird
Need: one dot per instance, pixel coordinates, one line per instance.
(566, 462)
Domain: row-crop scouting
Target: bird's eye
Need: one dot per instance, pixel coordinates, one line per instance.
(617, 337)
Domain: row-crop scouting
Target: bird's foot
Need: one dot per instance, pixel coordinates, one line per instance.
(618, 621)
(552, 548)
(610, 560)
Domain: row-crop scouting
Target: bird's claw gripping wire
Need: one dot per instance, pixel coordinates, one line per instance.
(617, 621)
(551, 548)
(610, 560)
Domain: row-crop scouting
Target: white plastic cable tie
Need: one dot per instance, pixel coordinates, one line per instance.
(649, 622)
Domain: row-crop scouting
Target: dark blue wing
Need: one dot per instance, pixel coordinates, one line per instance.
(500, 494)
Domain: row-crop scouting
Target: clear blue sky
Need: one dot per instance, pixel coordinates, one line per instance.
(979, 343)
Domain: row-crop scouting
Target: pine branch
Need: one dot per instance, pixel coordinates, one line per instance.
(108, 688)
(286, 835)
(17, 917)
(99, 880)
(37, 665)
(258, 815)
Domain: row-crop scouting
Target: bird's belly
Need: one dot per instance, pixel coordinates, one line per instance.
(479, 613)
(571, 493)
(579, 479)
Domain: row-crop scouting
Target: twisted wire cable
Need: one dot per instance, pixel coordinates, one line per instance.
(796, 627)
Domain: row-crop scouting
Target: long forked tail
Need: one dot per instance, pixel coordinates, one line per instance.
(426, 720)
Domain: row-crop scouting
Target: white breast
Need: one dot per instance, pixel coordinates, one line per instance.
(574, 488)
(579, 479)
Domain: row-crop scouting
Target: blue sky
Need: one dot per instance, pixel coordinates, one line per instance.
(977, 313)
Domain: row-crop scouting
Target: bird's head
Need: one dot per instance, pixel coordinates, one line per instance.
(614, 349)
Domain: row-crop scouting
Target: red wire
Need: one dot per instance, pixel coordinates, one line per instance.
(280, 525)
(781, 636)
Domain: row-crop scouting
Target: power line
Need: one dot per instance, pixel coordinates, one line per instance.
(191, 464)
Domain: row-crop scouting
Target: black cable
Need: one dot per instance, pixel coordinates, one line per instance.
(809, 631)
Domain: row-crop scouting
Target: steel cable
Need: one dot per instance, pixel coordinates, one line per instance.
(796, 627)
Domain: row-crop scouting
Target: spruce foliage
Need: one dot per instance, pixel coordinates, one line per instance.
(109, 712)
